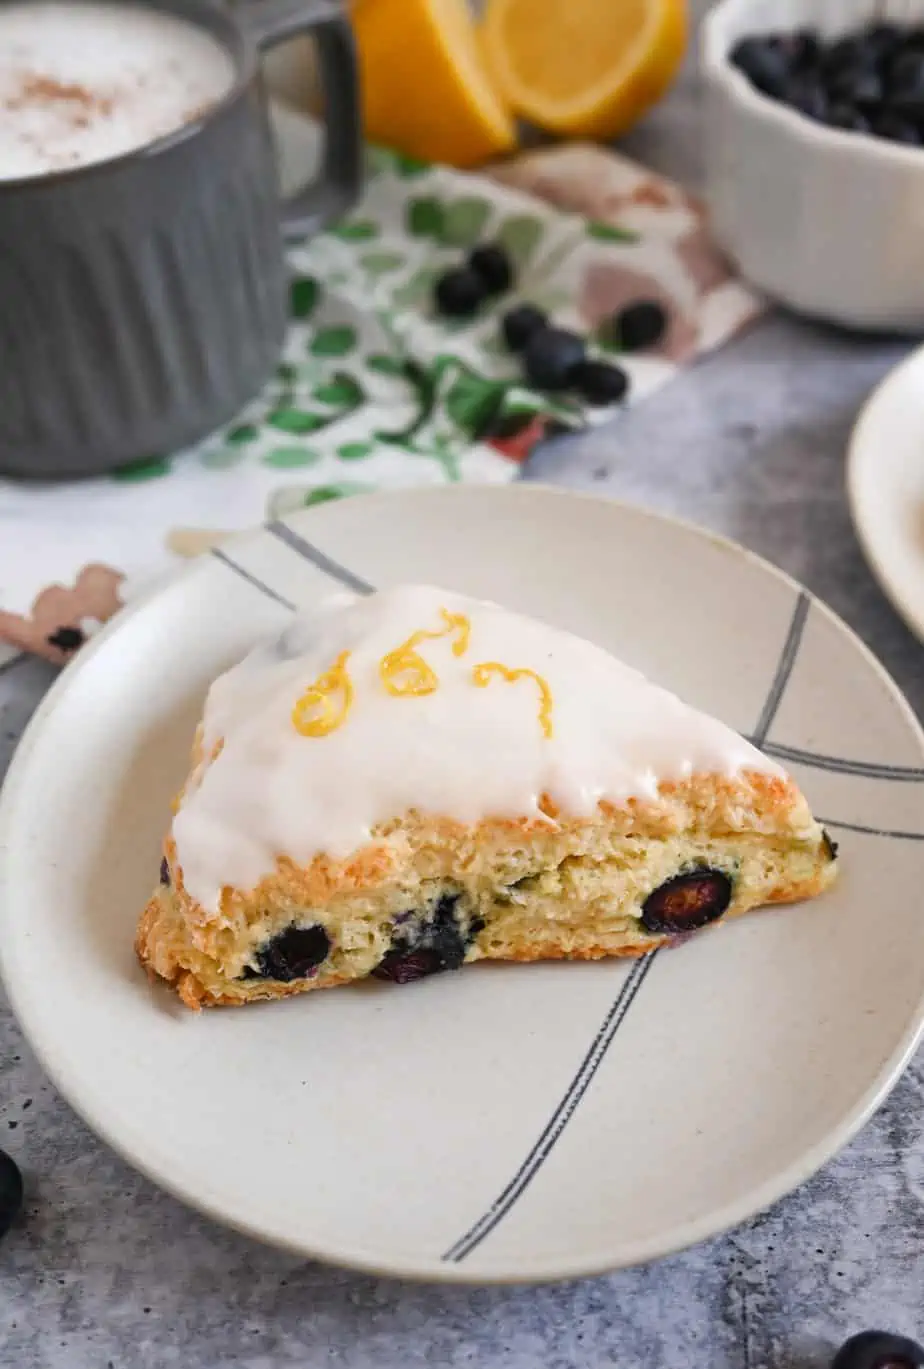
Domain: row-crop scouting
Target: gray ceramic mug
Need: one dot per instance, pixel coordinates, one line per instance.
(143, 300)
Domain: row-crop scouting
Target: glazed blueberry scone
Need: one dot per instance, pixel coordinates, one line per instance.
(405, 783)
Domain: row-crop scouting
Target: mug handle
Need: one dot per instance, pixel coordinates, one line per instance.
(338, 187)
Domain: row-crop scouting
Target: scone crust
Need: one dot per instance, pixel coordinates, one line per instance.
(199, 951)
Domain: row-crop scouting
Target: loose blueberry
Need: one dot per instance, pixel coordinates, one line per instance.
(687, 902)
(460, 293)
(848, 118)
(897, 130)
(599, 382)
(67, 638)
(521, 323)
(165, 872)
(640, 326)
(764, 62)
(427, 944)
(879, 1350)
(550, 357)
(492, 264)
(10, 1192)
(292, 954)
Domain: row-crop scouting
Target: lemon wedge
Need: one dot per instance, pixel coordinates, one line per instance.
(584, 68)
(425, 82)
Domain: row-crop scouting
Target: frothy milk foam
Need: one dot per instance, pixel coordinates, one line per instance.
(80, 83)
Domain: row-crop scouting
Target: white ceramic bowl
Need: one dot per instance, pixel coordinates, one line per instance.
(830, 223)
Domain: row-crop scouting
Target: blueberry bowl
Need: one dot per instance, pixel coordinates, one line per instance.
(817, 188)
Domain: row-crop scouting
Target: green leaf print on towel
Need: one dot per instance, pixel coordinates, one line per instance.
(149, 469)
(304, 295)
(521, 234)
(295, 421)
(408, 168)
(418, 288)
(241, 435)
(221, 458)
(355, 230)
(385, 365)
(424, 217)
(464, 221)
(341, 390)
(335, 341)
(285, 458)
(473, 402)
(293, 497)
(454, 388)
(608, 232)
(380, 263)
(378, 160)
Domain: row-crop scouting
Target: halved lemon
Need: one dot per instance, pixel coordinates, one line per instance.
(426, 87)
(584, 68)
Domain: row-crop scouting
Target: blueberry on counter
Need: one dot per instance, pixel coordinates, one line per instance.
(879, 1350)
(640, 326)
(10, 1192)
(460, 292)
(550, 358)
(520, 323)
(492, 264)
(67, 638)
(599, 382)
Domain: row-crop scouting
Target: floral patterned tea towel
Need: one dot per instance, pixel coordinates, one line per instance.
(374, 390)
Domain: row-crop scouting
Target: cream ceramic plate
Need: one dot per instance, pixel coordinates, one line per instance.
(885, 483)
(506, 1122)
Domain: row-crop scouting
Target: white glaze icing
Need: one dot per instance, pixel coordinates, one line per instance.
(462, 751)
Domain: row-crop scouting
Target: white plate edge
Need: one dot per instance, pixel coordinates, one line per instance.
(691, 1233)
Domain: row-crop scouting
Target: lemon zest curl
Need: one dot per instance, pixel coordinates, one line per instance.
(481, 674)
(406, 674)
(321, 695)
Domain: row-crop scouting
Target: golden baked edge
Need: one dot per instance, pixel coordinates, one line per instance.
(521, 890)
